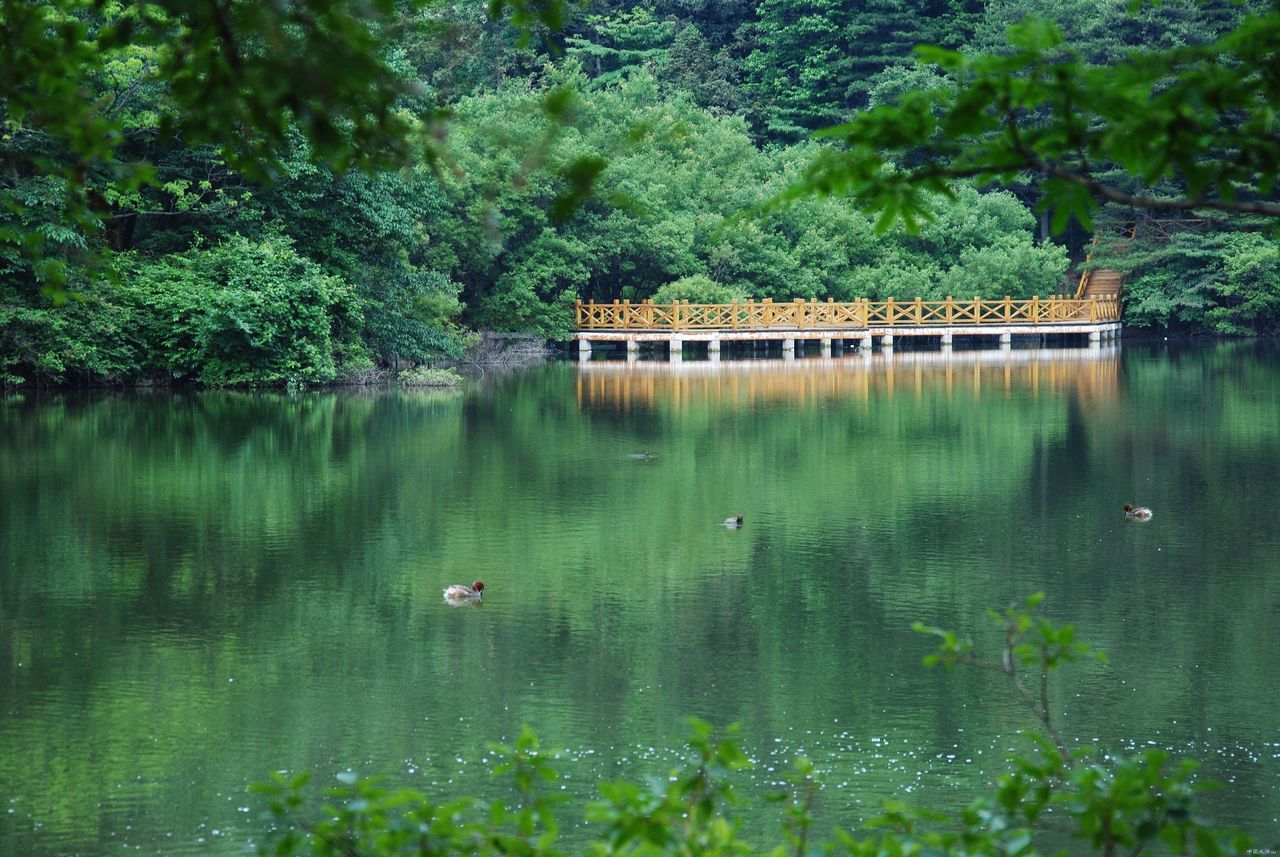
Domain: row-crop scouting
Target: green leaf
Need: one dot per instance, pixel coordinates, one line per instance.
(558, 102)
(1036, 34)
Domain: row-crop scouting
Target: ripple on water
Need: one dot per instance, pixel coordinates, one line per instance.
(259, 588)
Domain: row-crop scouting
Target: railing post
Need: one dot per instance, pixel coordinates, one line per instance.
(888, 311)
(1093, 309)
(951, 310)
(1008, 309)
(919, 310)
(626, 313)
(675, 315)
(766, 316)
(977, 310)
(1035, 308)
(799, 302)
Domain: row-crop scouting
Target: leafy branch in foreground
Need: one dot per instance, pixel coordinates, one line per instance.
(1112, 805)
(1200, 116)
(1030, 643)
(92, 90)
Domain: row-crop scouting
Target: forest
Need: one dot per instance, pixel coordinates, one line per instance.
(629, 150)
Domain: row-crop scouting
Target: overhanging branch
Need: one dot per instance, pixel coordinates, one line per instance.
(1112, 194)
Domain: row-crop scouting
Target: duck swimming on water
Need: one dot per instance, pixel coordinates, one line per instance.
(1138, 513)
(734, 522)
(457, 593)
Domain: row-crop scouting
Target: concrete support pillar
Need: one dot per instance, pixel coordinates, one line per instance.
(675, 349)
(826, 347)
(633, 350)
(584, 350)
(713, 350)
(946, 340)
(1006, 339)
(886, 341)
(788, 349)
(864, 345)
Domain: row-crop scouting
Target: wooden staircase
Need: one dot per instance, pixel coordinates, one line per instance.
(1100, 282)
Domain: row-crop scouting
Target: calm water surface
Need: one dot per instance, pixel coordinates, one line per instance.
(197, 590)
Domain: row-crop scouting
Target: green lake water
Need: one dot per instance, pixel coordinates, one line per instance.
(199, 589)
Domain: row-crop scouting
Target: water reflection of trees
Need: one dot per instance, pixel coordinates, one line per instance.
(287, 541)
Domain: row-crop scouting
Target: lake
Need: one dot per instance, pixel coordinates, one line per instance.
(198, 589)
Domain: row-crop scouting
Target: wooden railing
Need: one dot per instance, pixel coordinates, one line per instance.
(859, 314)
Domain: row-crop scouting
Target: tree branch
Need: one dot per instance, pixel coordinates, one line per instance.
(1041, 713)
(1112, 194)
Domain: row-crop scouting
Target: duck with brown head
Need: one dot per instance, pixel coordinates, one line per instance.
(1137, 513)
(460, 594)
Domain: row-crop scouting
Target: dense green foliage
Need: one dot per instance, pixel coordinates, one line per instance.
(1159, 111)
(676, 189)
(1105, 805)
(495, 197)
(698, 289)
(1195, 275)
(236, 313)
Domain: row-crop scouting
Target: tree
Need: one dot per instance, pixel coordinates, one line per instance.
(802, 64)
(1202, 274)
(815, 60)
(614, 44)
(667, 206)
(239, 312)
(691, 67)
(235, 74)
(1201, 116)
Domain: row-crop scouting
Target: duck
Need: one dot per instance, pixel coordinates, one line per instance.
(641, 456)
(735, 521)
(457, 593)
(1138, 513)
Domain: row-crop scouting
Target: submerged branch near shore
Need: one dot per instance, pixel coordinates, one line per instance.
(508, 349)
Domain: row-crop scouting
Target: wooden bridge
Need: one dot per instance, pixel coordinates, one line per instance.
(1092, 313)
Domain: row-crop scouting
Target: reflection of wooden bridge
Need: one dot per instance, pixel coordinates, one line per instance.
(1091, 373)
(1093, 314)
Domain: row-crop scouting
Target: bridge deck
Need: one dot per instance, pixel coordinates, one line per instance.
(1096, 316)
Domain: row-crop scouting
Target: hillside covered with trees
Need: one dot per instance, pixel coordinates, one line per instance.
(515, 167)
